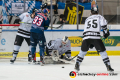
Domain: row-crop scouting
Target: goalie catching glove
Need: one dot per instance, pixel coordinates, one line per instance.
(106, 33)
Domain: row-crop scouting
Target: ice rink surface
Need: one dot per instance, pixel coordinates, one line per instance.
(21, 70)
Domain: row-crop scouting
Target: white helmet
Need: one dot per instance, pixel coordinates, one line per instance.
(64, 40)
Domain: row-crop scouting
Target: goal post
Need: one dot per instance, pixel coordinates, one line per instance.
(3, 25)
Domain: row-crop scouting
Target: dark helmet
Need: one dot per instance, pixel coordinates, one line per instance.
(34, 10)
(43, 6)
(94, 10)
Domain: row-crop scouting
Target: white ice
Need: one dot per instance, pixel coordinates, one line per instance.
(21, 70)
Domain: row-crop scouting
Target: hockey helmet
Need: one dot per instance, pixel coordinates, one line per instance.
(46, 11)
(34, 10)
(64, 40)
(43, 6)
(94, 10)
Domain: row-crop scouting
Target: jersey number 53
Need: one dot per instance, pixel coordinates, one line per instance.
(38, 21)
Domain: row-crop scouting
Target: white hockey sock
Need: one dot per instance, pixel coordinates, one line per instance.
(105, 57)
(81, 56)
(30, 55)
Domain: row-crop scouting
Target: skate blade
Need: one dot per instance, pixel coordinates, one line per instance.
(11, 62)
(41, 64)
(110, 71)
(76, 70)
(38, 62)
(29, 62)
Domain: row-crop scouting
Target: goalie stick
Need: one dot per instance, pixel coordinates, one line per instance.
(71, 58)
(66, 60)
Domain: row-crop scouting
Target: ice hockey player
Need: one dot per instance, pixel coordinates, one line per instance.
(42, 7)
(39, 24)
(61, 45)
(91, 35)
(23, 33)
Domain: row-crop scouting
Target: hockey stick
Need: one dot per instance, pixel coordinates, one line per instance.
(61, 25)
(25, 22)
(68, 60)
(71, 58)
(58, 26)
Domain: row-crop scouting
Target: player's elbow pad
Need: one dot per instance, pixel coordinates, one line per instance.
(106, 34)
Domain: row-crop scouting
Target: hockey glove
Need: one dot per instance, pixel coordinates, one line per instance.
(106, 34)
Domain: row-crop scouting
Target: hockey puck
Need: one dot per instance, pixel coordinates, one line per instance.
(62, 66)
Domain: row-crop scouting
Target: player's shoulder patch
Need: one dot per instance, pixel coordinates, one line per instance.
(27, 15)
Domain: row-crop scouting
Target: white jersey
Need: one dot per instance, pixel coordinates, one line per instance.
(93, 25)
(24, 29)
(57, 45)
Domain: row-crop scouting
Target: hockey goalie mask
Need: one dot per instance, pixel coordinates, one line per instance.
(65, 40)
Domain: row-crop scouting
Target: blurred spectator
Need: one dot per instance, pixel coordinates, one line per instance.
(62, 1)
(67, 1)
(38, 0)
(62, 20)
(74, 0)
(85, 1)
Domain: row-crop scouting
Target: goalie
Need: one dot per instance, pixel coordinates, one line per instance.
(56, 49)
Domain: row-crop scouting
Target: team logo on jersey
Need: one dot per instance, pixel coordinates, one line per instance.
(72, 74)
(67, 46)
(40, 42)
(27, 15)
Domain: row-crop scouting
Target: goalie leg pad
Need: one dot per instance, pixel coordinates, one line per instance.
(55, 55)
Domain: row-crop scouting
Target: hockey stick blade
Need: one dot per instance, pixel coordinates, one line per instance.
(58, 26)
(70, 59)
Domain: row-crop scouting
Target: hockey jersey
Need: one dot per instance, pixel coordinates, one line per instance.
(24, 29)
(57, 45)
(93, 25)
(40, 23)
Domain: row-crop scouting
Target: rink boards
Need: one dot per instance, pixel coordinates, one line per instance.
(112, 43)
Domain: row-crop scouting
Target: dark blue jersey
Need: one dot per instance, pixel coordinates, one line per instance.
(40, 23)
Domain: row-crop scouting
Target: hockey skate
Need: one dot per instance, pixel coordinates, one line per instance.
(12, 60)
(41, 61)
(33, 59)
(77, 66)
(29, 58)
(109, 67)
